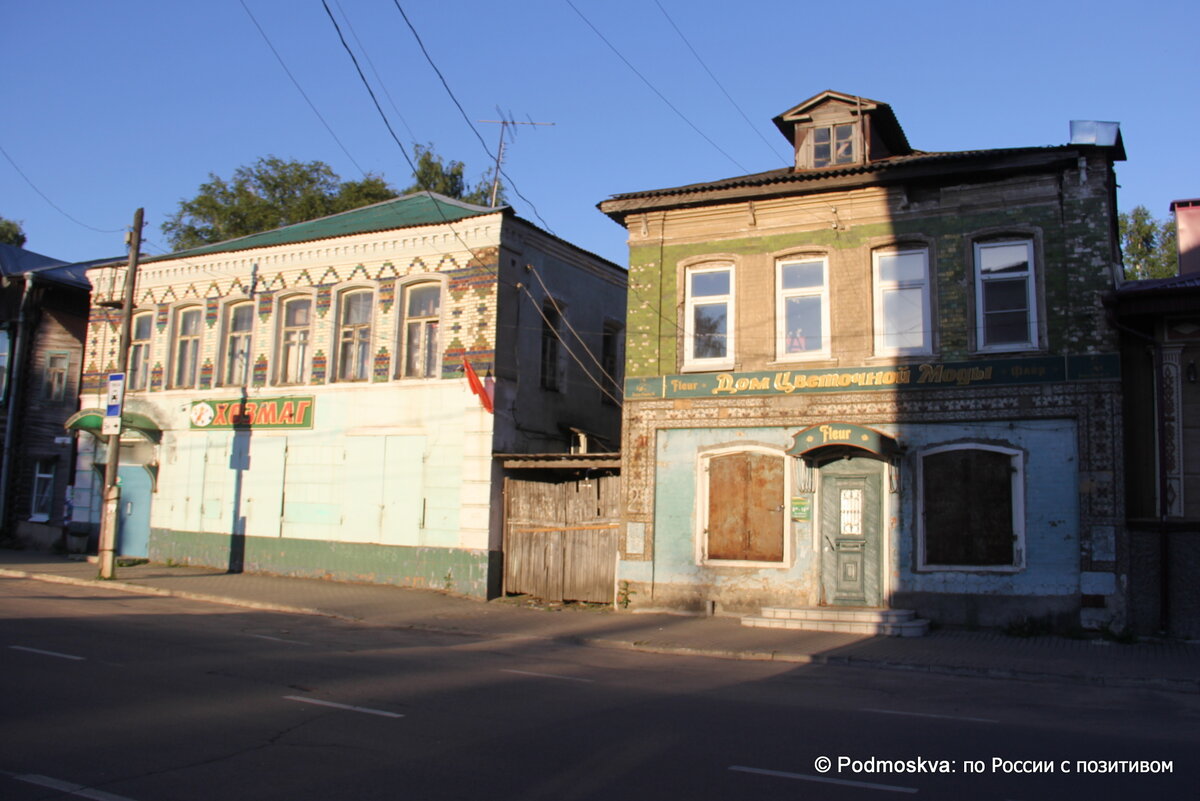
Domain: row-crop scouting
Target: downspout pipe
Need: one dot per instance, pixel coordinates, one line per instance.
(1164, 594)
(26, 320)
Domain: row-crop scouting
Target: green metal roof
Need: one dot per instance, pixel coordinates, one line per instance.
(419, 208)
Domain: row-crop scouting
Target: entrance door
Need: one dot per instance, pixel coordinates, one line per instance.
(133, 515)
(851, 516)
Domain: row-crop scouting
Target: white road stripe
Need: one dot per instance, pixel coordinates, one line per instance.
(365, 710)
(823, 779)
(48, 653)
(68, 787)
(928, 715)
(276, 639)
(544, 675)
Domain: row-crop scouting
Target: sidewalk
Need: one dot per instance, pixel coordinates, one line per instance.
(1153, 665)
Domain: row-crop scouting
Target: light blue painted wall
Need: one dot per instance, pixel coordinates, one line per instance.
(1051, 512)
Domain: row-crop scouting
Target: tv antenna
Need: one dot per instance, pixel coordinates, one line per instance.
(505, 123)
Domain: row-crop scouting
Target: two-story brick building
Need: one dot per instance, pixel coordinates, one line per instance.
(296, 400)
(878, 379)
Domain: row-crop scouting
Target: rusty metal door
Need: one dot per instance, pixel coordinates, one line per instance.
(745, 507)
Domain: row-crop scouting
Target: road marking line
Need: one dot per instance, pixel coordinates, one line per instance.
(929, 715)
(363, 709)
(68, 787)
(48, 653)
(545, 675)
(824, 780)
(276, 639)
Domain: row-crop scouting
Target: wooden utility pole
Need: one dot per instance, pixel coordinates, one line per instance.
(112, 491)
(504, 123)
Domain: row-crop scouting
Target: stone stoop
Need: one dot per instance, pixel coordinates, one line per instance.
(847, 620)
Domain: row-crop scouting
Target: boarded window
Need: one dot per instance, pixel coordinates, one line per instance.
(968, 499)
(745, 507)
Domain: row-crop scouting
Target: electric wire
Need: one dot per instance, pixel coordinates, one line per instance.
(654, 89)
(54, 205)
(378, 77)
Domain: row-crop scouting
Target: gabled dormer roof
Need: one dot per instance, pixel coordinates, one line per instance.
(884, 127)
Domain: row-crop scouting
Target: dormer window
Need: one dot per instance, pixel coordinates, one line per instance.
(833, 144)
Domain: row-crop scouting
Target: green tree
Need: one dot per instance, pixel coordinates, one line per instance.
(1148, 245)
(11, 233)
(266, 195)
(435, 175)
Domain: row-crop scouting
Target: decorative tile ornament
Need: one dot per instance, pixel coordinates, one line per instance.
(206, 374)
(320, 364)
(162, 318)
(212, 310)
(156, 377)
(259, 378)
(383, 365)
(324, 300)
(387, 294)
(266, 305)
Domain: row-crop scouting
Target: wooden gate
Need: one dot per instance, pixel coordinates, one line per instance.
(560, 538)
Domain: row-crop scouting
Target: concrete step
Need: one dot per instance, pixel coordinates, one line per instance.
(880, 622)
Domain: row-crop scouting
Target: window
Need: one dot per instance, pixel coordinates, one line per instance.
(972, 508)
(742, 505)
(902, 317)
(187, 346)
(422, 306)
(54, 381)
(551, 331)
(833, 144)
(239, 321)
(802, 310)
(293, 340)
(4, 345)
(708, 324)
(1004, 296)
(354, 336)
(139, 351)
(43, 491)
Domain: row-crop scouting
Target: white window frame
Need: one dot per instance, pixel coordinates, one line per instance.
(233, 374)
(44, 474)
(690, 362)
(1031, 296)
(781, 298)
(1017, 461)
(882, 287)
(700, 536)
(178, 342)
(855, 144)
(405, 321)
(356, 339)
(139, 352)
(286, 373)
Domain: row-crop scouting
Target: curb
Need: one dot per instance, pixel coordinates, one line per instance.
(1190, 686)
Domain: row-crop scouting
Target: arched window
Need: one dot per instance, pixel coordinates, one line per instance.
(189, 323)
(354, 335)
(239, 322)
(1005, 296)
(419, 330)
(708, 324)
(902, 313)
(139, 350)
(295, 326)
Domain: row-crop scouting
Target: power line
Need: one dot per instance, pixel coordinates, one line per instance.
(728, 97)
(654, 89)
(378, 77)
(54, 205)
(300, 89)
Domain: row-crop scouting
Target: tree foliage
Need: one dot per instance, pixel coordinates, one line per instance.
(266, 195)
(11, 233)
(435, 175)
(1148, 245)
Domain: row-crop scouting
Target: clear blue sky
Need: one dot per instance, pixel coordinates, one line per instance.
(114, 105)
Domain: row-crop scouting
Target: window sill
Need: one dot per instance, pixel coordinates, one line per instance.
(39, 518)
(1000, 569)
(714, 367)
(746, 564)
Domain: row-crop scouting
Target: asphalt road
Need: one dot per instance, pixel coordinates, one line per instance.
(116, 697)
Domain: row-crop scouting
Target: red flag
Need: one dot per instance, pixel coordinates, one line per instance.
(485, 397)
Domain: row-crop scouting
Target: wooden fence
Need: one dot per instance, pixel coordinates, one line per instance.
(560, 538)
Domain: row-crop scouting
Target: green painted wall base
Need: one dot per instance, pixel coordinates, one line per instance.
(466, 572)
